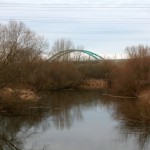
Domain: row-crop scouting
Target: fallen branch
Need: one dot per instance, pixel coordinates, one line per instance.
(113, 96)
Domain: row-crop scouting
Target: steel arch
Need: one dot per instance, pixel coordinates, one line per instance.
(61, 53)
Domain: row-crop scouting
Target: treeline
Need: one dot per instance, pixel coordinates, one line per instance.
(22, 64)
(22, 61)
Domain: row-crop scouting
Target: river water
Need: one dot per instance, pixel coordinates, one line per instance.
(73, 120)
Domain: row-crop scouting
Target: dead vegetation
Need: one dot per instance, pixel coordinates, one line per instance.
(133, 76)
(23, 94)
(24, 71)
(21, 63)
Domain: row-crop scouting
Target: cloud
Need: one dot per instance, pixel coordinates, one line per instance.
(109, 30)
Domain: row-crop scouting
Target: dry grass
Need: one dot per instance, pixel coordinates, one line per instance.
(9, 94)
(94, 84)
(144, 97)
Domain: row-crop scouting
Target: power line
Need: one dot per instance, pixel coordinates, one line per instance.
(82, 8)
(76, 4)
(128, 33)
(81, 22)
(75, 9)
(68, 18)
(120, 40)
(40, 6)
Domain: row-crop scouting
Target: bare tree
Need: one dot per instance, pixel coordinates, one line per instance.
(18, 46)
(77, 55)
(62, 45)
(66, 44)
(133, 75)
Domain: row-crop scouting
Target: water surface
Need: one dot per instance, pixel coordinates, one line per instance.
(73, 120)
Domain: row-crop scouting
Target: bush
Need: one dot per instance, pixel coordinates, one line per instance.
(134, 74)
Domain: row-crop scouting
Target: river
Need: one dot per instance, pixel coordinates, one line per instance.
(74, 120)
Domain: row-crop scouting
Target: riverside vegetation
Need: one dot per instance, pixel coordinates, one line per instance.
(32, 102)
(23, 67)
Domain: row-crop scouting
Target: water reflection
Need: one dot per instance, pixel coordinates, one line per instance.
(134, 119)
(62, 115)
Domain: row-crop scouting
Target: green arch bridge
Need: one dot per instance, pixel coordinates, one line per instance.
(62, 53)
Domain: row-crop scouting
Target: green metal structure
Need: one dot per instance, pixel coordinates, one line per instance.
(61, 53)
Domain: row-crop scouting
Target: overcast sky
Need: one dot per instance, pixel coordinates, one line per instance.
(105, 27)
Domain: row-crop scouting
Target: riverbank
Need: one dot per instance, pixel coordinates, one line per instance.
(22, 94)
(26, 93)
